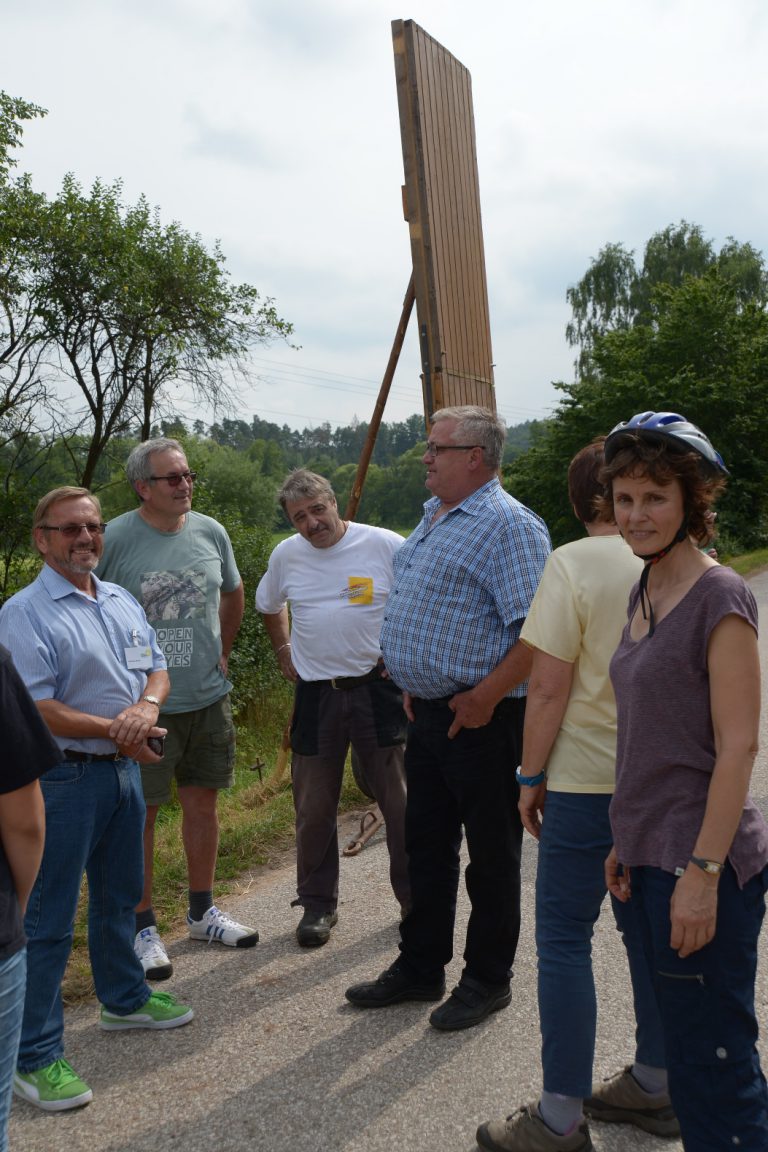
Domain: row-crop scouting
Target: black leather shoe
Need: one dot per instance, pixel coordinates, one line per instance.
(392, 987)
(469, 1003)
(314, 928)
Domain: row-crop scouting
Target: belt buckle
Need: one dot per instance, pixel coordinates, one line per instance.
(334, 685)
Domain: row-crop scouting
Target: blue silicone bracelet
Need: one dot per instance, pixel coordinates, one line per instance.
(530, 781)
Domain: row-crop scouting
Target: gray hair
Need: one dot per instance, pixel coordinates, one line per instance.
(476, 425)
(301, 484)
(138, 465)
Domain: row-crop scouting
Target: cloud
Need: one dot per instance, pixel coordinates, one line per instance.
(233, 146)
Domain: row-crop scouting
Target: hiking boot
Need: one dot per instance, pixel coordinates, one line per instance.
(314, 928)
(525, 1131)
(54, 1088)
(216, 925)
(621, 1100)
(469, 1003)
(152, 954)
(392, 987)
(160, 1011)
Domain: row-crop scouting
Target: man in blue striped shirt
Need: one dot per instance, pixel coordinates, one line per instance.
(464, 581)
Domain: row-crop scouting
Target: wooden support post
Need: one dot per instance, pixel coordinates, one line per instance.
(378, 412)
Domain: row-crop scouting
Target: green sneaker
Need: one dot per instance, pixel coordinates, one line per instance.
(160, 1011)
(53, 1088)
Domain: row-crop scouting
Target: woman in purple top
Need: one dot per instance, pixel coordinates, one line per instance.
(690, 846)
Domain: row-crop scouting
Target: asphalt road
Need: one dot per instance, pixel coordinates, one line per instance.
(277, 1061)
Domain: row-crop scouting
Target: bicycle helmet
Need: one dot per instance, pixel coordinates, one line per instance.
(665, 428)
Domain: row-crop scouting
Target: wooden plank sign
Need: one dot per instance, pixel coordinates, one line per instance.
(441, 203)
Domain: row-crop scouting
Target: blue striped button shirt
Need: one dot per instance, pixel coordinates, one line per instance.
(71, 648)
(461, 592)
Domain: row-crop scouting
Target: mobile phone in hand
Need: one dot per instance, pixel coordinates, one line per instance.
(156, 744)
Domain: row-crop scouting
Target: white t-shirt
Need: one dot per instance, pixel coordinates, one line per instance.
(337, 597)
(577, 615)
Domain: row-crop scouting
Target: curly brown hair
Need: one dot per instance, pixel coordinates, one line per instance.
(662, 463)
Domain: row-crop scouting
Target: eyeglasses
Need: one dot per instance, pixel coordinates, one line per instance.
(70, 531)
(173, 479)
(435, 449)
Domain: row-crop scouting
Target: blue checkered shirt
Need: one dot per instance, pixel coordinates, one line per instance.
(461, 592)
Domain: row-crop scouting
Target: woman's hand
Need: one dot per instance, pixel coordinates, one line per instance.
(617, 878)
(693, 911)
(531, 806)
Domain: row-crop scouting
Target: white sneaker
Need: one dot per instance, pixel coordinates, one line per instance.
(216, 925)
(151, 952)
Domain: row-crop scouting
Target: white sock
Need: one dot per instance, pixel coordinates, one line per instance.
(560, 1113)
(651, 1080)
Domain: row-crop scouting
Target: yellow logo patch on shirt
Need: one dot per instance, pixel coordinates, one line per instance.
(360, 589)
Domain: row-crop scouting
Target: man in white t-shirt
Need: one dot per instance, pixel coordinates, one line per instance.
(336, 576)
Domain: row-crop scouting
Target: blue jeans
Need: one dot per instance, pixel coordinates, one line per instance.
(94, 822)
(707, 1003)
(466, 783)
(13, 976)
(570, 889)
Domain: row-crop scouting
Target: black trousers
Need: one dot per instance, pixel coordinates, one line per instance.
(326, 721)
(467, 783)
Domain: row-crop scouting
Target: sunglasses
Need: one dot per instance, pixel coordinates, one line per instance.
(173, 479)
(70, 531)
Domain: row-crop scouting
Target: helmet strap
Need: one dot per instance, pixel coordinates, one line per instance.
(650, 559)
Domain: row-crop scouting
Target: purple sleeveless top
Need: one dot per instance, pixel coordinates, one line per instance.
(666, 747)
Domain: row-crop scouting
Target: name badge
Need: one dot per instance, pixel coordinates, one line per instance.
(141, 658)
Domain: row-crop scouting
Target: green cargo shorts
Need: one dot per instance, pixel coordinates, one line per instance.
(199, 752)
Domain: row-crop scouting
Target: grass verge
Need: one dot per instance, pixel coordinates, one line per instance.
(749, 563)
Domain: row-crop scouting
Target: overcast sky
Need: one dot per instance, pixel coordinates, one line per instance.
(272, 125)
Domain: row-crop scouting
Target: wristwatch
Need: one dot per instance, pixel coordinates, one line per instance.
(713, 867)
(152, 700)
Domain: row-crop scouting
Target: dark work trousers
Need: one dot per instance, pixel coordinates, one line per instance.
(467, 782)
(707, 1005)
(326, 721)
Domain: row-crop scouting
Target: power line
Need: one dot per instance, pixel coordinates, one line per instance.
(281, 376)
(289, 373)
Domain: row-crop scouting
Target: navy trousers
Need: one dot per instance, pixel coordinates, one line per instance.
(464, 785)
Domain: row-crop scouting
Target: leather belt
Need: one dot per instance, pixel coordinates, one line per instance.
(343, 683)
(90, 757)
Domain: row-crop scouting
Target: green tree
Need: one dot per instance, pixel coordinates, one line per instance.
(133, 306)
(232, 485)
(233, 433)
(268, 459)
(23, 342)
(616, 294)
(252, 666)
(705, 355)
(393, 497)
(13, 112)
(406, 434)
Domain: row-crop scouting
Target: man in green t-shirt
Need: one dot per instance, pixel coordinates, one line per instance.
(180, 566)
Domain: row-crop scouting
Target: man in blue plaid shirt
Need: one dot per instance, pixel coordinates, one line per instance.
(463, 584)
